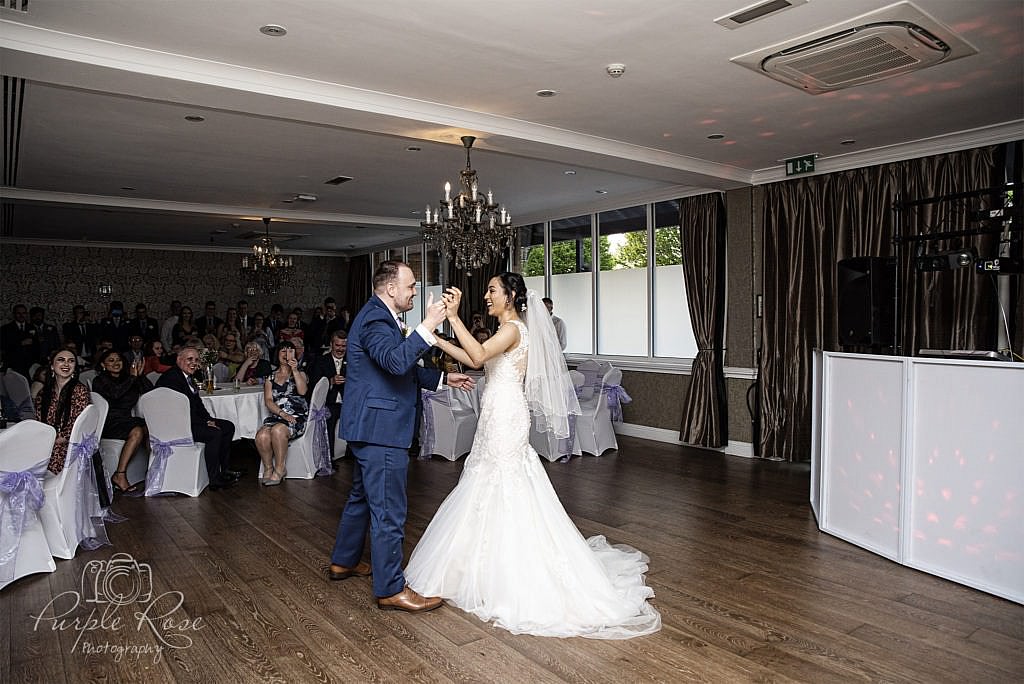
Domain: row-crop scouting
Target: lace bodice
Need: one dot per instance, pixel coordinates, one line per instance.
(510, 367)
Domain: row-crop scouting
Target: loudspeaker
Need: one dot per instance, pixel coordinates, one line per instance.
(866, 301)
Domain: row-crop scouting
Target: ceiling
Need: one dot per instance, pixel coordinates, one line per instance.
(98, 148)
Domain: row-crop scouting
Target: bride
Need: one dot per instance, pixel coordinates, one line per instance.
(501, 546)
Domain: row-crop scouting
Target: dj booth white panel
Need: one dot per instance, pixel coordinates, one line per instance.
(922, 461)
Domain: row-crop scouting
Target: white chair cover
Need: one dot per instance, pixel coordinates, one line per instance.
(447, 428)
(594, 430)
(153, 376)
(71, 514)
(310, 454)
(87, 376)
(221, 373)
(110, 450)
(592, 373)
(176, 463)
(18, 390)
(24, 454)
(549, 446)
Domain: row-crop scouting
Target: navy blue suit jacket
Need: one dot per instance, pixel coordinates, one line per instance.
(382, 386)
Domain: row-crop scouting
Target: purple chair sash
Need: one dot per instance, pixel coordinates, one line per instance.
(22, 494)
(429, 436)
(321, 447)
(92, 533)
(161, 452)
(616, 397)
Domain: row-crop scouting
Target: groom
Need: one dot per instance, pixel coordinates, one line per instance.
(378, 417)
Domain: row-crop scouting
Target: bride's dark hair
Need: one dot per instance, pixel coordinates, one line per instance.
(516, 287)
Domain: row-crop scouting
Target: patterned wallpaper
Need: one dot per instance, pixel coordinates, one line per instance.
(58, 277)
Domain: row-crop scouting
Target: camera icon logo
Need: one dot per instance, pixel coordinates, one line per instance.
(121, 580)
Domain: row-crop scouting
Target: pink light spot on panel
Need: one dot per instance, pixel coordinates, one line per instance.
(991, 458)
(920, 535)
(868, 494)
(949, 85)
(1010, 496)
(990, 529)
(947, 493)
(729, 142)
(849, 404)
(859, 457)
(995, 424)
(975, 500)
(888, 505)
(766, 134)
(877, 521)
(708, 122)
(978, 484)
(960, 523)
(944, 542)
(972, 549)
(932, 518)
(871, 436)
(842, 471)
(1007, 556)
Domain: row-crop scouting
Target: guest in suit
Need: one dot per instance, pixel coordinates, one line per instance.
(209, 323)
(276, 322)
(333, 367)
(114, 327)
(144, 326)
(121, 385)
(215, 433)
(60, 402)
(244, 317)
(80, 331)
(19, 341)
(378, 419)
(46, 333)
(136, 353)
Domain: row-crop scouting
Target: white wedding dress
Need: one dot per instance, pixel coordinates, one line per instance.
(502, 547)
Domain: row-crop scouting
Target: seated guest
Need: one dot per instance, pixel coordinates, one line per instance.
(284, 394)
(209, 322)
(38, 381)
(155, 359)
(254, 368)
(101, 346)
(291, 330)
(230, 353)
(230, 325)
(332, 366)
(261, 334)
(122, 389)
(300, 353)
(143, 325)
(482, 335)
(210, 341)
(60, 402)
(215, 433)
(184, 328)
(15, 403)
(135, 354)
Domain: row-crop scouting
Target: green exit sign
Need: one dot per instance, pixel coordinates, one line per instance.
(798, 165)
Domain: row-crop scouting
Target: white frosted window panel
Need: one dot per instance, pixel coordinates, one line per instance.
(622, 313)
(673, 334)
(861, 489)
(966, 481)
(571, 294)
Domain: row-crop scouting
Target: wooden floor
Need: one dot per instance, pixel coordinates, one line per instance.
(748, 588)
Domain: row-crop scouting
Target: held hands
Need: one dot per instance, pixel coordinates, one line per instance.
(452, 297)
(435, 313)
(461, 381)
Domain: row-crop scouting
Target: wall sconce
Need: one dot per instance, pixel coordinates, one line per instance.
(106, 289)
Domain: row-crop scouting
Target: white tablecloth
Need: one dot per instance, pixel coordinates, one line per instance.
(245, 408)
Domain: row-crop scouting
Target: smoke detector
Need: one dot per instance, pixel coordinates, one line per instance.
(615, 70)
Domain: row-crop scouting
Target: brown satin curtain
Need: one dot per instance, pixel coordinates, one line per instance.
(358, 286)
(702, 228)
(812, 223)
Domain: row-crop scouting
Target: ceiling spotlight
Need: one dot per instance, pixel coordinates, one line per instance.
(569, 172)
(848, 142)
(195, 118)
(127, 187)
(273, 30)
(413, 148)
(615, 70)
(546, 93)
(601, 192)
(716, 136)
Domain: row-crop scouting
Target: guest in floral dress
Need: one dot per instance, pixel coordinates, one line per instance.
(60, 402)
(284, 394)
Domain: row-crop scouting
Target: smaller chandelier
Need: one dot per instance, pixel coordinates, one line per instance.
(266, 270)
(468, 229)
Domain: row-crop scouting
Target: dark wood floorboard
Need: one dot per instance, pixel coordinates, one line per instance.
(748, 588)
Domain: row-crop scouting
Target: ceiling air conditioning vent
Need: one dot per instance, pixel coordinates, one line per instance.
(859, 53)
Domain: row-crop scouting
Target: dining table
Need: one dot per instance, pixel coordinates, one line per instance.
(244, 407)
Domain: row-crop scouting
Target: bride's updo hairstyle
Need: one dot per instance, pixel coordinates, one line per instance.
(515, 286)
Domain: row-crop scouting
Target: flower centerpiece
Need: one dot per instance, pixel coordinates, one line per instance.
(208, 357)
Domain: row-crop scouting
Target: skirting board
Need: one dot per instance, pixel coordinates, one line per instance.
(744, 449)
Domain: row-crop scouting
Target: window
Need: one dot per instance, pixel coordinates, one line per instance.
(622, 282)
(531, 257)
(673, 336)
(571, 281)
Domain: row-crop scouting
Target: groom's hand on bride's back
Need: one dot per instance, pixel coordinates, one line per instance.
(460, 381)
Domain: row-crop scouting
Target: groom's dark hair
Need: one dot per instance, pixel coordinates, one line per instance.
(385, 273)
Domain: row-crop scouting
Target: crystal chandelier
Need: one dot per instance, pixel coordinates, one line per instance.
(266, 270)
(468, 229)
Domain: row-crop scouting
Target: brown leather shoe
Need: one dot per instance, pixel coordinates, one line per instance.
(409, 601)
(340, 572)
